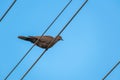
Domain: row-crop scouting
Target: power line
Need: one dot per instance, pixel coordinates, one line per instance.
(53, 40)
(111, 70)
(37, 41)
(8, 10)
(33, 64)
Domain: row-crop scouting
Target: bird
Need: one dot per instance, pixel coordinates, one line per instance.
(43, 42)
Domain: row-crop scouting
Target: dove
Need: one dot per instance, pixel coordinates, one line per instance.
(44, 42)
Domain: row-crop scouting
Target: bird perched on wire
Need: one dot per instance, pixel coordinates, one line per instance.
(43, 42)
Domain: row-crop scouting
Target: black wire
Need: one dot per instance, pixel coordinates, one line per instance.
(111, 70)
(37, 41)
(7, 10)
(33, 64)
(73, 17)
(52, 41)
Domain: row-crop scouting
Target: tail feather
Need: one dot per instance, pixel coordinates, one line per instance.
(24, 38)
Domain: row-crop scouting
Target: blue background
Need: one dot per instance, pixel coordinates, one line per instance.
(91, 45)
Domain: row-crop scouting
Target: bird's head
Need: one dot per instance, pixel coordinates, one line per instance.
(59, 38)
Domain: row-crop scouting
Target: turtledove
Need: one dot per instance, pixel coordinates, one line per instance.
(44, 42)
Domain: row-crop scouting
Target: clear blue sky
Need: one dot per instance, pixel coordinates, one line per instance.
(91, 45)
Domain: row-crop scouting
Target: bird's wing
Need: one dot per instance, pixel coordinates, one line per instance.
(46, 39)
(43, 38)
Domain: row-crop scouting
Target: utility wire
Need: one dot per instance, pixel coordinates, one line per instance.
(111, 70)
(37, 41)
(7, 10)
(33, 64)
(53, 40)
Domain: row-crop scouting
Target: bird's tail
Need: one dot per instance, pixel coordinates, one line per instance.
(24, 38)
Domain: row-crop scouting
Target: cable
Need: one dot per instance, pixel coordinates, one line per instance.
(53, 41)
(111, 71)
(8, 10)
(33, 64)
(37, 41)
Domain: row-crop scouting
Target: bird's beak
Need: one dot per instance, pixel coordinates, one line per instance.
(62, 39)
